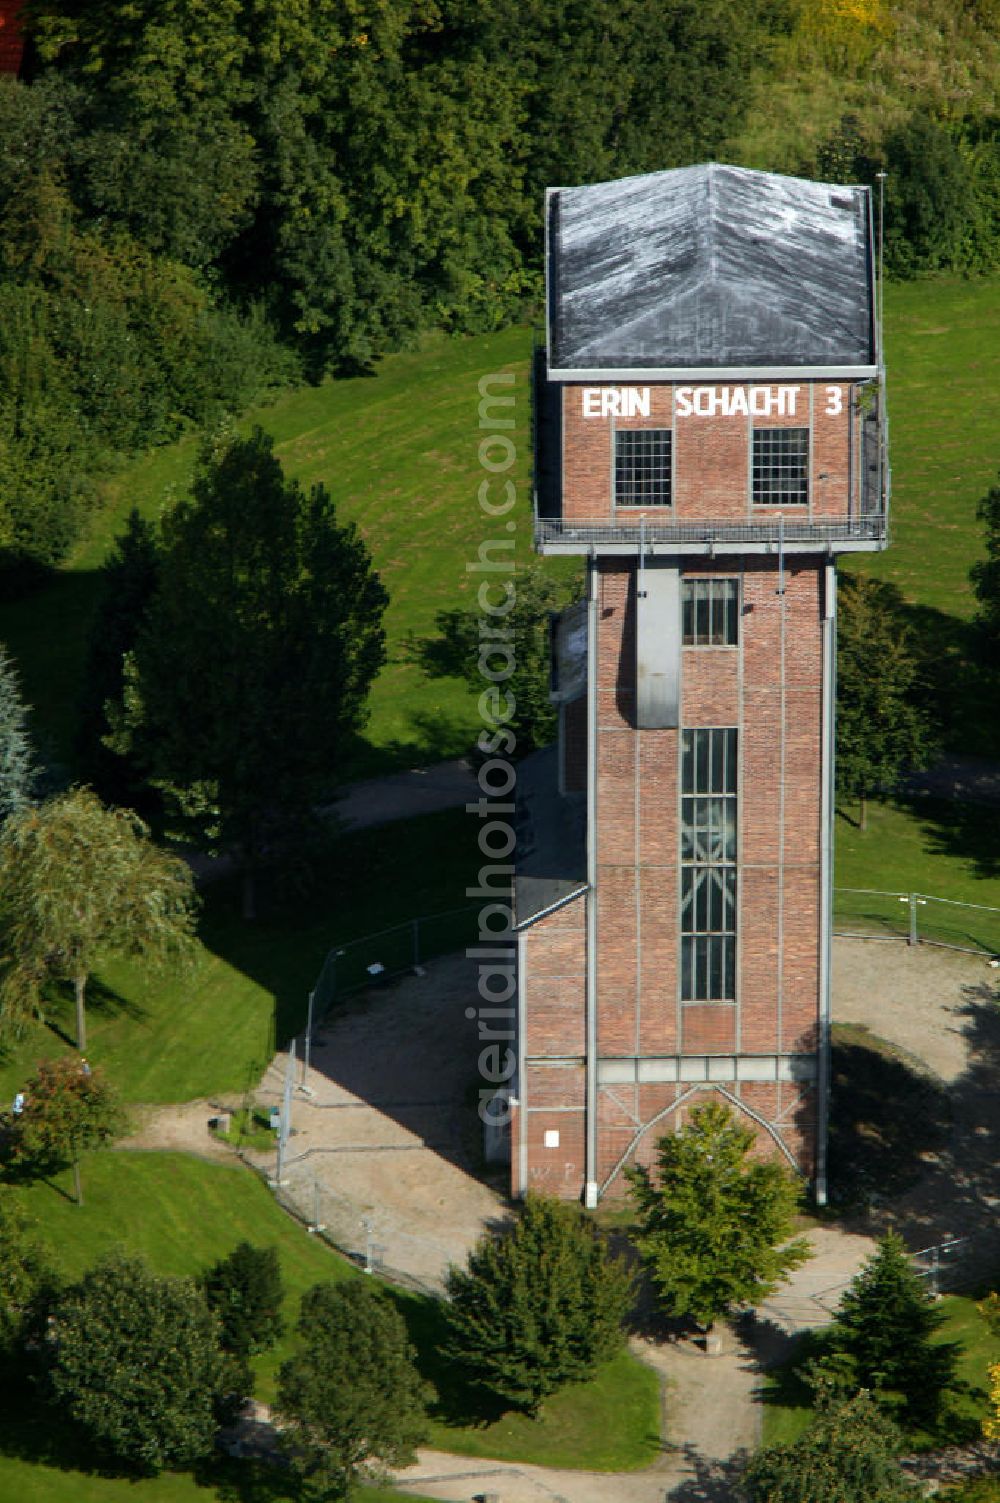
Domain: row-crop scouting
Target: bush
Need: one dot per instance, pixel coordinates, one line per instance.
(537, 1307)
(135, 1361)
(847, 1455)
(350, 1400)
(245, 1290)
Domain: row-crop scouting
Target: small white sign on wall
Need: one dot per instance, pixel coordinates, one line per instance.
(552, 1137)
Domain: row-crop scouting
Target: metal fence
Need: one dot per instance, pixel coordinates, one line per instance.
(388, 953)
(917, 917)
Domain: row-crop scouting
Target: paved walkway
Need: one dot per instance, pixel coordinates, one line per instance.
(403, 795)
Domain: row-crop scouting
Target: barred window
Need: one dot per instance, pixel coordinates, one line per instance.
(780, 466)
(642, 466)
(711, 612)
(708, 865)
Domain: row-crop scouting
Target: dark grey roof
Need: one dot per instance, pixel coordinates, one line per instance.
(709, 269)
(551, 837)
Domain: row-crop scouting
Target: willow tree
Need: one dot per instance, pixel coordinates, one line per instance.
(79, 881)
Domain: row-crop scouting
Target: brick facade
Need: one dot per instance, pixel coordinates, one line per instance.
(769, 687)
(712, 454)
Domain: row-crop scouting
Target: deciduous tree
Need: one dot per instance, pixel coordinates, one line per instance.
(715, 1225)
(847, 1455)
(985, 575)
(522, 647)
(68, 1109)
(350, 1399)
(78, 880)
(539, 1305)
(25, 1276)
(135, 1360)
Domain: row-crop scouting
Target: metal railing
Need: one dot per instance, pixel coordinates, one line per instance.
(818, 532)
(388, 953)
(918, 917)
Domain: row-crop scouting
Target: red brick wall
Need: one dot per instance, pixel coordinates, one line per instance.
(553, 979)
(711, 454)
(769, 684)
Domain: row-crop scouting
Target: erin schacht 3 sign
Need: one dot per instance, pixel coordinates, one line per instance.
(705, 401)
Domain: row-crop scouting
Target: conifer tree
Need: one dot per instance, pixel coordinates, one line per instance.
(17, 760)
(245, 1290)
(885, 1325)
(538, 1306)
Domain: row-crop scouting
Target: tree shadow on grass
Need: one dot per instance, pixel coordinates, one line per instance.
(972, 833)
(33, 1432)
(888, 1117)
(247, 1481)
(454, 1403)
(39, 1434)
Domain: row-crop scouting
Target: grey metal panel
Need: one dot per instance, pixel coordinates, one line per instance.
(569, 653)
(616, 1071)
(764, 1067)
(709, 267)
(657, 1069)
(797, 1067)
(657, 648)
(756, 374)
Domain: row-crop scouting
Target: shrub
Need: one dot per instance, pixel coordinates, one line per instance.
(135, 1360)
(538, 1305)
(245, 1290)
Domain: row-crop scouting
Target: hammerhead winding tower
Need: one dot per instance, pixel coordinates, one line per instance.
(709, 435)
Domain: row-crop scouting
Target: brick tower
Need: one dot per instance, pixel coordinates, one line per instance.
(709, 436)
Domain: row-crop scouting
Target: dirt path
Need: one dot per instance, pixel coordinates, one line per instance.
(183, 1128)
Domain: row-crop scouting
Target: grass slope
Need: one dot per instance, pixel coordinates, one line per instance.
(943, 355)
(946, 849)
(399, 453)
(182, 1214)
(175, 1036)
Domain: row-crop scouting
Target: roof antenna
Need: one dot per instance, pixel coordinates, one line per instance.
(881, 254)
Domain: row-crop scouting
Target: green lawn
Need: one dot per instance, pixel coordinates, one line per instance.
(943, 356)
(609, 1424)
(944, 849)
(175, 1036)
(398, 452)
(181, 1214)
(786, 1404)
